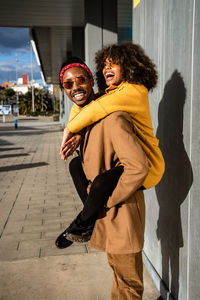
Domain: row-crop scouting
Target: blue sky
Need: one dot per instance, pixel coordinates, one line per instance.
(15, 45)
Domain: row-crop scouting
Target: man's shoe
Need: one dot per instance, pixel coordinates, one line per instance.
(80, 231)
(62, 242)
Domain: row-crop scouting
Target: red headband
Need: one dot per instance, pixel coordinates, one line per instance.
(74, 65)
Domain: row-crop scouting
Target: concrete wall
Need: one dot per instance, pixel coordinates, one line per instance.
(100, 29)
(169, 32)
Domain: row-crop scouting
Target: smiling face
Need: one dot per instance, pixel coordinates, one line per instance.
(112, 73)
(79, 86)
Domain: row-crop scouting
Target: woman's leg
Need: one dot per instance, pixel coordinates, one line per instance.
(101, 188)
(81, 183)
(78, 177)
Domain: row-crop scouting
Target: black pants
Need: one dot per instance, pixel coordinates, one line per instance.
(101, 188)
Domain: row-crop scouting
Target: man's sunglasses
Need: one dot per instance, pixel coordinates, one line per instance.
(68, 84)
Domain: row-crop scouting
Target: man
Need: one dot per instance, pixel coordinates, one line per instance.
(119, 229)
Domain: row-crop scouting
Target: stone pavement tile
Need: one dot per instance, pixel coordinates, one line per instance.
(73, 277)
(69, 214)
(37, 197)
(150, 290)
(13, 229)
(91, 250)
(73, 249)
(35, 210)
(18, 255)
(38, 221)
(36, 202)
(46, 195)
(18, 214)
(23, 197)
(49, 210)
(65, 212)
(12, 192)
(49, 235)
(19, 210)
(58, 195)
(33, 216)
(21, 205)
(58, 220)
(7, 202)
(68, 209)
(36, 206)
(43, 205)
(9, 245)
(41, 228)
(53, 201)
(52, 214)
(67, 202)
(21, 237)
(35, 244)
(27, 186)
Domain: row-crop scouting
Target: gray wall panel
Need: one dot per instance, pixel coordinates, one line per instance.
(194, 249)
(165, 30)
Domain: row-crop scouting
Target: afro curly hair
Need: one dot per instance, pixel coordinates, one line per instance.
(136, 66)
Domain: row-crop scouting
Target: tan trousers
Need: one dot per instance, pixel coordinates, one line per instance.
(128, 276)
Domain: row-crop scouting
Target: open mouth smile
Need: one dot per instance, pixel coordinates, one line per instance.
(79, 95)
(109, 75)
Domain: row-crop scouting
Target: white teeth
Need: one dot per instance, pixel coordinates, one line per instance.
(109, 74)
(78, 95)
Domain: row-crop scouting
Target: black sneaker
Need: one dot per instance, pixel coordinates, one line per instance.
(80, 231)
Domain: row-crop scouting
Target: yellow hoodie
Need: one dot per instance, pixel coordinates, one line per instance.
(132, 98)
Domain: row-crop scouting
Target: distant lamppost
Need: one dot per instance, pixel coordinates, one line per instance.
(33, 99)
(17, 95)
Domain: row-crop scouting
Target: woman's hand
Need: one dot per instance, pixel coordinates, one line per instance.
(67, 135)
(70, 146)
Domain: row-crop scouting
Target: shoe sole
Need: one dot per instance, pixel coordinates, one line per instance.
(77, 238)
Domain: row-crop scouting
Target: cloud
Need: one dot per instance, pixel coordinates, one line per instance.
(15, 55)
(14, 39)
(8, 71)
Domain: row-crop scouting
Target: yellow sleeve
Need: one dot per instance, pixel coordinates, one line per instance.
(74, 112)
(127, 98)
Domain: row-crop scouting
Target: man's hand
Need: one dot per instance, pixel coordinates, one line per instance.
(67, 135)
(70, 146)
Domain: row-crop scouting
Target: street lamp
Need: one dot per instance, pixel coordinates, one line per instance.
(33, 99)
(17, 95)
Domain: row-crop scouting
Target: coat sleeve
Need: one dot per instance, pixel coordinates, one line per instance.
(130, 154)
(75, 110)
(127, 98)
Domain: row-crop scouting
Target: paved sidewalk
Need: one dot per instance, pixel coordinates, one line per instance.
(37, 202)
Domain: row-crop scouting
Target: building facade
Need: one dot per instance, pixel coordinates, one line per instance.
(169, 31)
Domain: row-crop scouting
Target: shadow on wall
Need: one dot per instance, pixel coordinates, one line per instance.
(176, 182)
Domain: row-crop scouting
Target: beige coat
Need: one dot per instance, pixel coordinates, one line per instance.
(108, 143)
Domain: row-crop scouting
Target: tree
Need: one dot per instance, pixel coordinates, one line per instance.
(7, 94)
(25, 103)
(42, 102)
